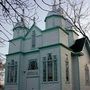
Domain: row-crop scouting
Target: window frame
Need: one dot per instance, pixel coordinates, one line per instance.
(12, 66)
(29, 64)
(54, 62)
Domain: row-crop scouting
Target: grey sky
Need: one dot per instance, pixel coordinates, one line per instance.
(40, 22)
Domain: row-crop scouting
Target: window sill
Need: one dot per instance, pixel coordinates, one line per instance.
(11, 83)
(50, 82)
(67, 82)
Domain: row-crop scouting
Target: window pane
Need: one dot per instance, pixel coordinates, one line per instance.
(67, 71)
(12, 62)
(29, 66)
(8, 74)
(44, 71)
(50, 73)
(32, 65)
(49, 56)
(55, 70)
(54, 57)
(12, 74)
(50, 68)
(16, 73)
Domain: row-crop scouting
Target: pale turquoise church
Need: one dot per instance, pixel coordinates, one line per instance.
(50, 59)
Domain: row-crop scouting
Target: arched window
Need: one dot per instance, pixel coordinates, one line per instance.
(12, 72)
(50, 68)
(87, 78)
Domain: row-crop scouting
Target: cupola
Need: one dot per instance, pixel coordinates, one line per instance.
(54, 17)
(20, 29)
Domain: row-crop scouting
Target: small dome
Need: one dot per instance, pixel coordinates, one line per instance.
(58, 11)
(50, 13)
(19, 24)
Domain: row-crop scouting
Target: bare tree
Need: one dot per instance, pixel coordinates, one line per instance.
(76, 12)
(11, 11)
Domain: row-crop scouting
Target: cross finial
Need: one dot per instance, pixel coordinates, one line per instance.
(54, 2)
(59, 3)
(34, 20)
(22, 17)
(23, 11)
(54, 6)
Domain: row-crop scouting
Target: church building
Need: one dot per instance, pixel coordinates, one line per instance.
(50, 59)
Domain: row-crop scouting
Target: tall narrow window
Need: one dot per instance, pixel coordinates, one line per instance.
(50, 68)
(87, 78)
(33, 39)
(67, 69)
(15, 71)
(55, 67)
(44, 69)
(12, 72)
(8, 72)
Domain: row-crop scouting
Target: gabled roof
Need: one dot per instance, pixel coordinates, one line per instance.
(78, 45)
(31, 29)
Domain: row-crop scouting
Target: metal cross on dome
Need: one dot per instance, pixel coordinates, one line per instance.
(59, 3)
(55, 4)
(55, 1)
(22, 17)
(34, 20)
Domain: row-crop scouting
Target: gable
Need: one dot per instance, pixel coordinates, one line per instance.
(33, 28)
(78, 45)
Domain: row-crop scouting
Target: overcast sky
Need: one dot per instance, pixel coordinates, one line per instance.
(40, 22)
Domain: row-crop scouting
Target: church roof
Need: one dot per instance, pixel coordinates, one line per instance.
(55, 12)
(33, 26)
(78, 45)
